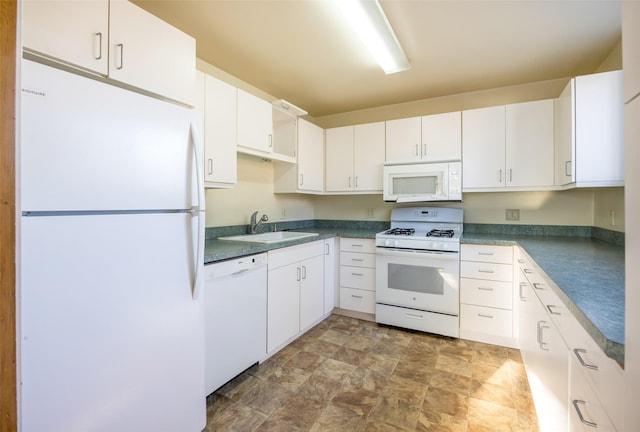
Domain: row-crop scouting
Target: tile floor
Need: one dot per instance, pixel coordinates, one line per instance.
(351, 375)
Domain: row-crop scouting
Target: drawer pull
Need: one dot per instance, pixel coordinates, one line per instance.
(576, 403)
(356, 245)
(356, 296)
(551, 310)
(485, 288)
(522, 297)
(485, 253)
(485, 271)
(357, 274)
(485, 316)
(528, 271)
(538, 286)
(521, 261)
(357, 259)
(414, 316)
(577, 352)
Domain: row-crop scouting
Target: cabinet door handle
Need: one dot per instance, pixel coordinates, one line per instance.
(541, 327)
(578, 352)
(417, 150)
(349, 182)
(299, 274)
(551, 310)
(270, 140)
(576, 405)
(304, 272)
(356, 181)
(499, 176)
(120, 48)
(485, 288)
(567, 170)
(326, 248)
(98, 42)
(209, 166)
(301, 179)
(510, 175)
(424, 149)
(522, 297)
(414, 316)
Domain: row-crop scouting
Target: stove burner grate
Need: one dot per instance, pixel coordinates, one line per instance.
(440, 233)
(401, 231)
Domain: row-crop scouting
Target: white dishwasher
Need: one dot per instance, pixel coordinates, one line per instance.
(235, 296)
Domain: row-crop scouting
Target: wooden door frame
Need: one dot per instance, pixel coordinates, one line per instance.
(8, 377)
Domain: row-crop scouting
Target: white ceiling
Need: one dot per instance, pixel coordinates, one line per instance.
(302, 51)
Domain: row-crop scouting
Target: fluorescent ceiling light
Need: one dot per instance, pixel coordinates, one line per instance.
(372, 26)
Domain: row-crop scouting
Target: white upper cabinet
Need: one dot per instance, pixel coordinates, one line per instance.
(564, 116)
(255, 124)
(310, 156)
(631, 49)
(508, 147)
(589, 150)
(216, 106)
(424, 139)
(307, 176)
(354, 158)
(529, 144)
(54, 29)
(116, 39)
(483, 148)
(599, 154)
(148, 53)
(404, 140)
(442, 137)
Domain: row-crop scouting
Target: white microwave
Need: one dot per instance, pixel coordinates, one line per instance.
(440, 181)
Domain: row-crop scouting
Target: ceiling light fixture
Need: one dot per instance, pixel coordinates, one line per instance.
(372, 26)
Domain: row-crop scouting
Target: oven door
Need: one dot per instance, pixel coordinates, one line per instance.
(424, 280)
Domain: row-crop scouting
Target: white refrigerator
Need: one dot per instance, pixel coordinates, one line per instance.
(111, 334)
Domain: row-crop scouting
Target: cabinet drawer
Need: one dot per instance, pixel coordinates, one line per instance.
(487, 271)
(486, 293)
(287, 255)
(586, 413)
(357, 245)
(358, 277)
(356, 259)
(358, 300)
(486, 253)
(497, 322)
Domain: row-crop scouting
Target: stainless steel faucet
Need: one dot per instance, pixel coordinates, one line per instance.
(254, 225)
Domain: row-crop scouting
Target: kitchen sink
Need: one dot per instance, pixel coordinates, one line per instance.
(270, 237)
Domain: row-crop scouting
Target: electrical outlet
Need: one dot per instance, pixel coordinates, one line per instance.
(513, 215)
(370, 213)
(613, 217)
(283, 213)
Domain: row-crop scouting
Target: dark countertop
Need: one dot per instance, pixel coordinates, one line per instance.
(219, 250)
(589, 274)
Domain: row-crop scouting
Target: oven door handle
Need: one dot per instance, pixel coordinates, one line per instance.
(408, 253)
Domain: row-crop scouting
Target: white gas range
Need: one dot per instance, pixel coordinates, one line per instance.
(418, 270)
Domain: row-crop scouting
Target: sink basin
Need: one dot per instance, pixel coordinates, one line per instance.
(270, 237)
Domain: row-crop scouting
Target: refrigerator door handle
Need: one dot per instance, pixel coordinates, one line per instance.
(198, 211)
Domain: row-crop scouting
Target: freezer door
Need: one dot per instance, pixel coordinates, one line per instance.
(87, 145)
(111, 337)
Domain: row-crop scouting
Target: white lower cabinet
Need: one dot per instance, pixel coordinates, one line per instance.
(358, 275)
(486, 294)
(295, 293)
(575, 385)
(331, 275)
